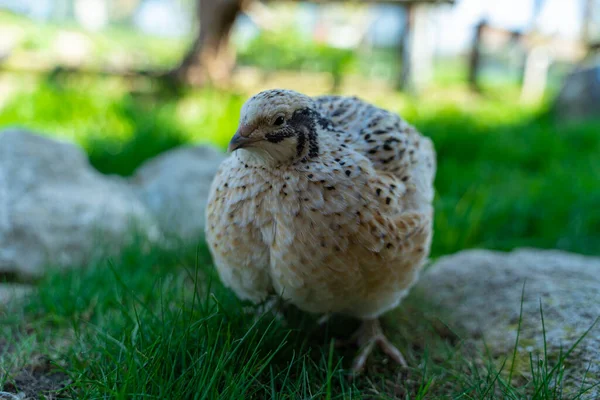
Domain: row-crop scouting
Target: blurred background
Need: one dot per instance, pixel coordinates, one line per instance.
(509, 90)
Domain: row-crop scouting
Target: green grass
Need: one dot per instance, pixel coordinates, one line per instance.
(508, 175)
(159, 324)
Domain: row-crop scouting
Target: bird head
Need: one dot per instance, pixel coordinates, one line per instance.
(278, 126)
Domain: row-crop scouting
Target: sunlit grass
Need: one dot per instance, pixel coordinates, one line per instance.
(115, 46)
(509, 175)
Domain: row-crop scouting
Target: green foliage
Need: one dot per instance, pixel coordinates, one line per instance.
(288, 51)
(114, 45)
(120, 129)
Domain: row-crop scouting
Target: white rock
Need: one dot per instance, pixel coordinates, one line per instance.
(579, 97)
(174, 187)
(10, 292)
(479, 293)
(55, 209)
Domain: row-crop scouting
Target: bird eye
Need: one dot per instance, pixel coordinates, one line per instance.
(279, 121)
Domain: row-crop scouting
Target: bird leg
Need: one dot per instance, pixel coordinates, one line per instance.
(369, 335)
(324, 319)
(273, 305)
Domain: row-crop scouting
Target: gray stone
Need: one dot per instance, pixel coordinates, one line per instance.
(479, 294)
(174, 187)
(55, 209)
(10, 292)
(579, 97)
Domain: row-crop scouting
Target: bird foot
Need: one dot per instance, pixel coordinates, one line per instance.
(273, 305)
(369, 335)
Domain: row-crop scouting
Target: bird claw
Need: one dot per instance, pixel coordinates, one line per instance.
(367, 336)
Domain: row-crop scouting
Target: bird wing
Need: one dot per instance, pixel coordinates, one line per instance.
(234, 230)
(393, 146)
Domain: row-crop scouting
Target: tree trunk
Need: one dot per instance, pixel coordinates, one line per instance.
(405, 82)
(417, 49)
(475, 57)
(210, 58)
(586, 25)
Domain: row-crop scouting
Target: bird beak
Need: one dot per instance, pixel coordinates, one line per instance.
(240, 139)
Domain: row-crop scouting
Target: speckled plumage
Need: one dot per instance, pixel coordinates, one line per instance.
(330, 209)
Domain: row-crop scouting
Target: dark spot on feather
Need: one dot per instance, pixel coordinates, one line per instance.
(338, 112)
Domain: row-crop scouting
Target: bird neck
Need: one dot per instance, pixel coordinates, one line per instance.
(257, 157)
